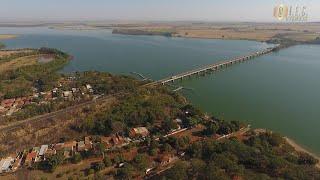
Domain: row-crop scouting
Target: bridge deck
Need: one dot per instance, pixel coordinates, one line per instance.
(215, 66)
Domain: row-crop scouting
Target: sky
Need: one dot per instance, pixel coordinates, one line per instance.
(149, 10)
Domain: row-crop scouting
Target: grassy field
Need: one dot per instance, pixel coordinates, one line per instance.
(14, 63)
(18, 62)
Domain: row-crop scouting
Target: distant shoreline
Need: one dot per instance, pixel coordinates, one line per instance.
(299, 148)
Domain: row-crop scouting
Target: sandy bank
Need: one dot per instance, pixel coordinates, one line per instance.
(7, 36)
(299, 148)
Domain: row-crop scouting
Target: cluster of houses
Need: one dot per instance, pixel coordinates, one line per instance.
(75, 93)
(38, 154)
(10, 106)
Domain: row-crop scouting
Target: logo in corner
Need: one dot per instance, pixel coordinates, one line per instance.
(290, 13)
(281, 12)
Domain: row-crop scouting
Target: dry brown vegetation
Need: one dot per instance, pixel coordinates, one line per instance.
(7, 53)
(41, 132)
(18, 62)
(65, 171)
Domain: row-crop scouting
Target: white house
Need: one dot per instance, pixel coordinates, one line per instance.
(43, 150)
(5, 164)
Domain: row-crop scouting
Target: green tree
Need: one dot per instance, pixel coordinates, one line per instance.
(178, 171)
(100, 149)
(107, 161)
(192, 111)
(168, 125)
(167, 148)
(52, 162)
(118, 159)
(307, 159)
(212, 172)
(126, 172)
(191, 121)
(211, 129)
(97, 166)
(153, 152)
(76, 158)
(141, 162)
(91, 171)
(198, 168)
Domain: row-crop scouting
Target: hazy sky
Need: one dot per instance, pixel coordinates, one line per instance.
(208, 10)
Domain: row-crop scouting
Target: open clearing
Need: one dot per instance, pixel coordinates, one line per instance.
(18, 62)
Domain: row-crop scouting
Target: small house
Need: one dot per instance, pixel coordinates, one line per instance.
(74, 90)
(67, 94)
(106, 141)
(7, 103)
(43, 150)
(89, 88)
(50, 152)
(81, 146)
(59, 146)
(138, 132)
(87, 142)
(69, 148)
(6, 164)
(30, 158)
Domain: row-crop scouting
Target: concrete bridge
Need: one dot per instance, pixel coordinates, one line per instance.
(215, 67)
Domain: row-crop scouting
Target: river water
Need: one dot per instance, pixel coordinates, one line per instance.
(279, 91)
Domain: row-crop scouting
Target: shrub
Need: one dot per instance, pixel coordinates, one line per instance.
(76, 158)
(90, 171)
(59, 175)
(98, 166)
(107, 161)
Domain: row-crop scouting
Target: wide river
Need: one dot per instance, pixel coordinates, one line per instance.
(279, 91)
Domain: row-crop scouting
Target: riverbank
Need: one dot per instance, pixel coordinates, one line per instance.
(7, 36)
(262, 32)
(299, 148)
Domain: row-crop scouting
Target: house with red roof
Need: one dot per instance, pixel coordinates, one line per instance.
(30, 158)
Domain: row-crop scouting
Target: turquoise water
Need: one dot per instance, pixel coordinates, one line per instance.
(279, 91)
